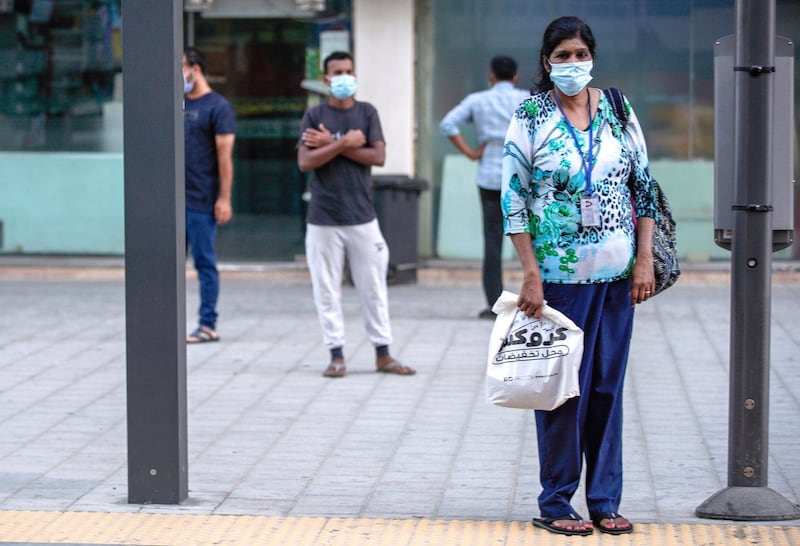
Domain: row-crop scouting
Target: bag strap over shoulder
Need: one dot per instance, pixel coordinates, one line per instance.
(617, 100)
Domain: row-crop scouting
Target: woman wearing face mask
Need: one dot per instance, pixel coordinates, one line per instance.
(567, 206)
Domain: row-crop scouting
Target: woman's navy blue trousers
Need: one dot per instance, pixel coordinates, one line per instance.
(589, 426)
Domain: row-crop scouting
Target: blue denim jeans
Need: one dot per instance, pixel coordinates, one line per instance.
(201, 234)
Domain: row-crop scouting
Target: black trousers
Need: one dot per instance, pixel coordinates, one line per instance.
(492, 245)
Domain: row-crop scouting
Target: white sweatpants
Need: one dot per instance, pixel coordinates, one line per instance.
(368, 255)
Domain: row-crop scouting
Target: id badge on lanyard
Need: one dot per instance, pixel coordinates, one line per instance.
(590, 203)
(590, 211)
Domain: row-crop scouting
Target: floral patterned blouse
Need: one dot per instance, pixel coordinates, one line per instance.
(544, 179)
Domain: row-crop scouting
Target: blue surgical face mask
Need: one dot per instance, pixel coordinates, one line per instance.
(343, 86)
(570, 78)
(187, 86)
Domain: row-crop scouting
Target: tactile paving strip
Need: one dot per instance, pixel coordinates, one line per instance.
(125, 528)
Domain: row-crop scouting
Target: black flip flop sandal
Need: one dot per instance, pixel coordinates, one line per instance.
(549, 525)
(202, 334)
(611, 516)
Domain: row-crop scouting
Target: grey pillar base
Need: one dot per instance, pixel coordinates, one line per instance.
(748, 504)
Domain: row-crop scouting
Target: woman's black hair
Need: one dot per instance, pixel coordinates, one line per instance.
(556, 32)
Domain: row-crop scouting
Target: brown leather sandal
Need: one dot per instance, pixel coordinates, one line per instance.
(335, 369)
(396, 367)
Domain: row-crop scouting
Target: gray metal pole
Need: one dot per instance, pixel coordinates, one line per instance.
(155, 278)
(747, 496)
(190, 29)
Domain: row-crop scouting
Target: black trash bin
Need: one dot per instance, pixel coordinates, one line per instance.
(396, 204)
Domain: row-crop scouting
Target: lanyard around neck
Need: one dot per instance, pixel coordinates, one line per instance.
(587, 158)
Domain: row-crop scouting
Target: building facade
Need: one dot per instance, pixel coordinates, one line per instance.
(61, 107)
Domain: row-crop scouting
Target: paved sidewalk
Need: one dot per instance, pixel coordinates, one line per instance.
(268, 436)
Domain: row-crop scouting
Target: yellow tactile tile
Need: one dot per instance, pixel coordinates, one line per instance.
(124, 528)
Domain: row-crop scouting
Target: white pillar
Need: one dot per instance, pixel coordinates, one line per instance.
(383, 38)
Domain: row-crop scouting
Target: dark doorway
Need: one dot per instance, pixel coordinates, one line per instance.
(259, 65)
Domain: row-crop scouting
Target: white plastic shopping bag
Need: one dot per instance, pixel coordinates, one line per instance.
(533, 363)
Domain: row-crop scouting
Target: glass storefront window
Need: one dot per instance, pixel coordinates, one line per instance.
(61, 123)
(659, 52)
(59, 67)
(265, 61)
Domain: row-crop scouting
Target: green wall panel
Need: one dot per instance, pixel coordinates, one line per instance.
(688, 184)
(62, 203)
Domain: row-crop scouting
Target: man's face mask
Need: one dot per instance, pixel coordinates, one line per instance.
(187, 85)
(343, 86)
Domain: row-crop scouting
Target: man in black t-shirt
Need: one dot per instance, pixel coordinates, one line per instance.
(209, 132)
(341, 140)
